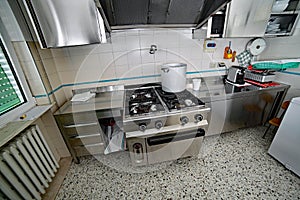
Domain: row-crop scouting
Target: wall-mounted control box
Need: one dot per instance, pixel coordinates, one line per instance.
(209, 45)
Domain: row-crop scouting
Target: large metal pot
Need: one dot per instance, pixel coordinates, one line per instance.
(173, 77)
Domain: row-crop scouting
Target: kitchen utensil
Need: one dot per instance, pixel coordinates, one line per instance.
(261, 77)
(256, 46)
(196, 83)
(263, 85)
(228, 52)
(173, 77)
(236, 75)
(233, 56)
(244, 58)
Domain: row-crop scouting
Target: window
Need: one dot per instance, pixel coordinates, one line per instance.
(15, 96)
(11, 96)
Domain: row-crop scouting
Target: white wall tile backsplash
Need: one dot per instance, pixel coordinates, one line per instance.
(120, 58)
(66, 63)
(148, 69)
(146, 40)
(127, 55)
(132, 42)
(134, 58)
(34, 75)
(121, 70)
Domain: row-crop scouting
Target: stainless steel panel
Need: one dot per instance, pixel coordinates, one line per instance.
(81, 125)
(78, 118)
(167, 119)
(65, 23)
(231, 114)
(147, 154)
(159, 13)
(137, 151)
(167, 129)
(84, 130)
(86, 140)
(248, 18)
(174, 150)
(89, 149)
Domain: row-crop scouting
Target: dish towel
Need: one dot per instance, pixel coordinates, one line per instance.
(244, 58)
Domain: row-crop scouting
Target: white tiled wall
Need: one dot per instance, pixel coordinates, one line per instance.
(127, 55)
(33, 75)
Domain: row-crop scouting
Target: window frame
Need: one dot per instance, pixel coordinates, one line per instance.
(21, 95)
(30, 101)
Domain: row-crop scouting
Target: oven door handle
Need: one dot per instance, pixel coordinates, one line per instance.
(162, 139)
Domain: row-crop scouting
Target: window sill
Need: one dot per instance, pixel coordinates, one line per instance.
(12, 129)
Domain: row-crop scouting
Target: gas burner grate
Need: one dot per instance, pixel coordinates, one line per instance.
(143, 101)
(180, 100)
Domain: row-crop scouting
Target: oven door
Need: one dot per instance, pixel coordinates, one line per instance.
(174, 145)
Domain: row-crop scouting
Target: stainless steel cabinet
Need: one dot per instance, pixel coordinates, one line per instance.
(65, 23)
(259, 18)
(283, 19)
(229, 110)
(82, 133)
(248, 18)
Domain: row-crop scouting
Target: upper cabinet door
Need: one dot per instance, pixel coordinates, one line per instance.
(284, 17)
(60, 23)
(248, 18)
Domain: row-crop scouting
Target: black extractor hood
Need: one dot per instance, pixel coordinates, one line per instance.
(122, 14)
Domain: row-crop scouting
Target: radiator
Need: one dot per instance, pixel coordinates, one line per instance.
(27, 166)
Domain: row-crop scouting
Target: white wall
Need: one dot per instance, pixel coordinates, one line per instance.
(127, 56)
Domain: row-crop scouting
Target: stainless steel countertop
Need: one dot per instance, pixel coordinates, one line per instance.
(102, 101)
(212, 89)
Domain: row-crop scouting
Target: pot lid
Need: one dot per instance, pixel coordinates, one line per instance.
(174, 65)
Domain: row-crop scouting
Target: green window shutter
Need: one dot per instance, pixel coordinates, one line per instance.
(10, 94)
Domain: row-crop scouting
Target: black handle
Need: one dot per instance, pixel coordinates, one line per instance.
(156, 140)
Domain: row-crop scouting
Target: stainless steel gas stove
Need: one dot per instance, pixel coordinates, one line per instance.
(163, 126)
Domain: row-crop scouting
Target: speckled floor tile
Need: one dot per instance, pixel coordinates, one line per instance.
(234, 165)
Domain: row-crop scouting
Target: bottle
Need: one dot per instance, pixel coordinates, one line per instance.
(233, 56)
(228, 52)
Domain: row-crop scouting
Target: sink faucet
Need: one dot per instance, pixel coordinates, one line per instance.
(153, 48)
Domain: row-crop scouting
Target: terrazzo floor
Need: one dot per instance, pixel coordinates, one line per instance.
(233, 165)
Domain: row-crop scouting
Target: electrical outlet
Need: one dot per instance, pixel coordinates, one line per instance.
(212, 65)
(221, 64)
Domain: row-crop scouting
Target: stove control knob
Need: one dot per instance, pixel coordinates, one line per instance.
(142, 126)
(184, 120)
(158, 124)
(198, 118)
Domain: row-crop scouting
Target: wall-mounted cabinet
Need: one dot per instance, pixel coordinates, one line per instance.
(216, 24)
(283, 18)
(255, 18)
(247, 18)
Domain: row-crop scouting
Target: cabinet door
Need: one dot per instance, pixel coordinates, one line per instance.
(283, 18)
(248, 18)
